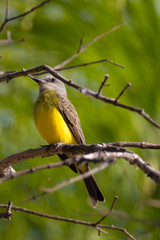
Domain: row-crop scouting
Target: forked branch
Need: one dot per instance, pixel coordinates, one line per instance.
(83, 90)
(7, 19)
(89, 153)
(99, 227)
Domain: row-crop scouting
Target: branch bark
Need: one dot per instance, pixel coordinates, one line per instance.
(6, 20)
(81, 89)
(90, 153)
(69, 220)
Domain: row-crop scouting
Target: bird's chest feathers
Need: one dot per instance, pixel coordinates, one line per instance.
(49, 120)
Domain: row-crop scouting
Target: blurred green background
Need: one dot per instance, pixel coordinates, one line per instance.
(52, 34)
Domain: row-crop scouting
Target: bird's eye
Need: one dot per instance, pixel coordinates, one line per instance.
(52, 80)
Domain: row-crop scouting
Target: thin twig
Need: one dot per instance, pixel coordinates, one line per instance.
(8, 210)
(120, 229)
(69, 220)
(21, 15)
(77, 178)
(101, 230)
(102, 84)
(7, 214)
(65, 68)
(69, 181)
(81, 42)
(50, 150)
(81, 49)
(89, 63)
(83, 90)
(31, 170)
(7, 10)
(143, 145)
(109, 212)
(95, 156)
(122, 92)
(58, 148)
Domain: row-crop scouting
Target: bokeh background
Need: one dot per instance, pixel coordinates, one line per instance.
(52, 34)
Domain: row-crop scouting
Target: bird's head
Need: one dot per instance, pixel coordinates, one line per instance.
(49, 82)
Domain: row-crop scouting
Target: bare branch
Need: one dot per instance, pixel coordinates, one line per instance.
(58, 148)
(77, 178)
(60, 69)
(97, 156)
(15, 174)
(8, 211)
(101, 230)
(81, 42)
(83, 90)
(81, 49)
(7, 10)
(143, 145)
(120, 229)
(7, 214)
(89, 63)
(5, 72)
(69, 220)
(122, 92)
(103, 84)
(21, 15)
(72, 180)
(109, 212)
(74, 66)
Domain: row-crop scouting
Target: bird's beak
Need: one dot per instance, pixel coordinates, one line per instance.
(37, 80)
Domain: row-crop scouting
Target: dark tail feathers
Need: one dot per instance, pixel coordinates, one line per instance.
(90, 182)
(93, 190)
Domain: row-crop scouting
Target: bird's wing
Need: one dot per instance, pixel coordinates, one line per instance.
(71, 118)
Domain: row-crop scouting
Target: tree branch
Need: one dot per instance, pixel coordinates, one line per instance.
(88, 63)
(70, 180)
(69, 220)
(98, 154)
(83, 48)
(6, 20)
(109, 212)
(83, 90)
(122, 92)
(102, 84)
(143, 145)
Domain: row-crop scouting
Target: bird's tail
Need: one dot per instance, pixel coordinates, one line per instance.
(95, 193)
(90, 182)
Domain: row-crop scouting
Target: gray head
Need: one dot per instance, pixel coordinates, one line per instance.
(49, 82)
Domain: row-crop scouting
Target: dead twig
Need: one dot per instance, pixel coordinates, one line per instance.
(69, 181)
(109, 212)
(102, 84)
(89, 63)
(98, 156)
(143, 145)
(7, 214)
(7, 19)
(69, 220)
(83, 48)
(83, 90)
(122, 92)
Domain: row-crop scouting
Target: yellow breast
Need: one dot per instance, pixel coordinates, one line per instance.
(49, 120)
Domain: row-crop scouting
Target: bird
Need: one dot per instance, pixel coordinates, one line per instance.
(57, 121)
